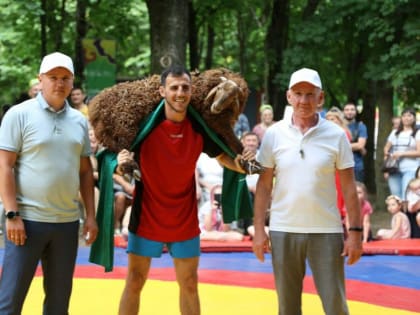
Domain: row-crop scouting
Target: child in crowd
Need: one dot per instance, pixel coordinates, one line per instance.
(413, 198)
(366, 209)
(210, 219)
(400, 226)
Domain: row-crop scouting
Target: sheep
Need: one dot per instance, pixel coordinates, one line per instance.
(219, 96)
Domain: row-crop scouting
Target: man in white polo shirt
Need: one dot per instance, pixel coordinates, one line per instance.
(303, 154)
(44, 162)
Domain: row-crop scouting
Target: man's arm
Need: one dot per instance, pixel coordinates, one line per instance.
(353, 245)
(262, 201)
(360, 145)
(225, 160)
(14, 228)
(90, 228)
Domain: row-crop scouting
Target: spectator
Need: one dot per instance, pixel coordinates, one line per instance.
(210, 174)
(403, 144)
(266, 120)
(303, 153)
(77, 98)
(336, 115)
(123, 196)
(241, 125)
(358, 139)
(210, 220)
(366, 211)
(94, 146)
(400, 226)
(413, 205)
(396, 121)
(34, 87)
(44, 162)
(250, 142)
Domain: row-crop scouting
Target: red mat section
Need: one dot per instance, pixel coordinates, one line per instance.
(384, 247)
(393, 247)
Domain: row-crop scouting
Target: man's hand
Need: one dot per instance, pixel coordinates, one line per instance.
(15, 231)
(260, 244)
(90, 230)
(353, 247)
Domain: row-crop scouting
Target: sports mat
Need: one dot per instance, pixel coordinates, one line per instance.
(236, 283)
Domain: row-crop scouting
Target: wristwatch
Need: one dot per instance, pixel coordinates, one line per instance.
(11, 214)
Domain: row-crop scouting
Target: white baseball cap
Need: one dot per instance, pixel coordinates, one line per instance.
(305, 75)
(56, 60)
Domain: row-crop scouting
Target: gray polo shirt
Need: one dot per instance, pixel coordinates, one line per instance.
(49, 146)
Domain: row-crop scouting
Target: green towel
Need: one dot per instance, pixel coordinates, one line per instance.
(235, 195)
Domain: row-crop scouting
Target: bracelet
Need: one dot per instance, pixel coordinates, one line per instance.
(356, 228)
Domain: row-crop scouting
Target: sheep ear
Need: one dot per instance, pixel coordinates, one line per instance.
(223, 79)
(211, 93)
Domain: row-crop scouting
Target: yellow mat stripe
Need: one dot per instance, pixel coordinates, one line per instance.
(97, 296)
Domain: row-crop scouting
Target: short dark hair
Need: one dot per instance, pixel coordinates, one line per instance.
(78, 87)
(174, 70)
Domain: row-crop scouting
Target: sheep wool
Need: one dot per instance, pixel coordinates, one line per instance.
(219, 96)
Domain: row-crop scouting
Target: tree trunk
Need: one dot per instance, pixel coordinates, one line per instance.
(385, 105)
(210, 45)
(193, 37)
(43, 21)
(81, 30)
(168, 33)
(58, 26)
(368, 117)
(242, 42)
(275, 43)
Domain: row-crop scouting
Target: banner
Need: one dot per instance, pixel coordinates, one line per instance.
(100, 65)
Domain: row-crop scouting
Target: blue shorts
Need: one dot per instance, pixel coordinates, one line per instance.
(143, 247)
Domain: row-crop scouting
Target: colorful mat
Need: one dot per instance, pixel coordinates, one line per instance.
(236, 283)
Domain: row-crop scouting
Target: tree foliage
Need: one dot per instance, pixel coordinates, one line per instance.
(365, 51)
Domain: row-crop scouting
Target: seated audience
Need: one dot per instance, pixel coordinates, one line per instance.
(210, 219)
(413, 205)
(210, 174)
(366, 209)
(400, 226)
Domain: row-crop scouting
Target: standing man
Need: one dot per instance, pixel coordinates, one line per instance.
(164, 210)
(303, 154)
(358, 132)
(77, 98)
(44, 161)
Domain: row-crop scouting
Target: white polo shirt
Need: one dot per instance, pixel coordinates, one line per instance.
(304, 196)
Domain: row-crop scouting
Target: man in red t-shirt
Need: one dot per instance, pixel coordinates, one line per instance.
(164, 210)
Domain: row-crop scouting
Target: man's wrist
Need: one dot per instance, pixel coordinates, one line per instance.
(11, 214)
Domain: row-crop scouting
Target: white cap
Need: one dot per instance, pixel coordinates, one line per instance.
(56, 60)
(305, 75)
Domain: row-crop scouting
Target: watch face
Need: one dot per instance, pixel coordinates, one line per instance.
(11, 214)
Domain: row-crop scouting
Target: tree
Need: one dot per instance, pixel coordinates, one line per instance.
(276, 43)
(168, 32)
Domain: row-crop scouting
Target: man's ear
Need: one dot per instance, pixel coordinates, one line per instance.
(162, 91)
(321, 97)
(288, 96)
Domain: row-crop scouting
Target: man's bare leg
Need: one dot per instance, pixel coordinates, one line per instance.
(137, 271)
(187, 278)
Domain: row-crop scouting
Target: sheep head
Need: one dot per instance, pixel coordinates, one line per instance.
(224, 96)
